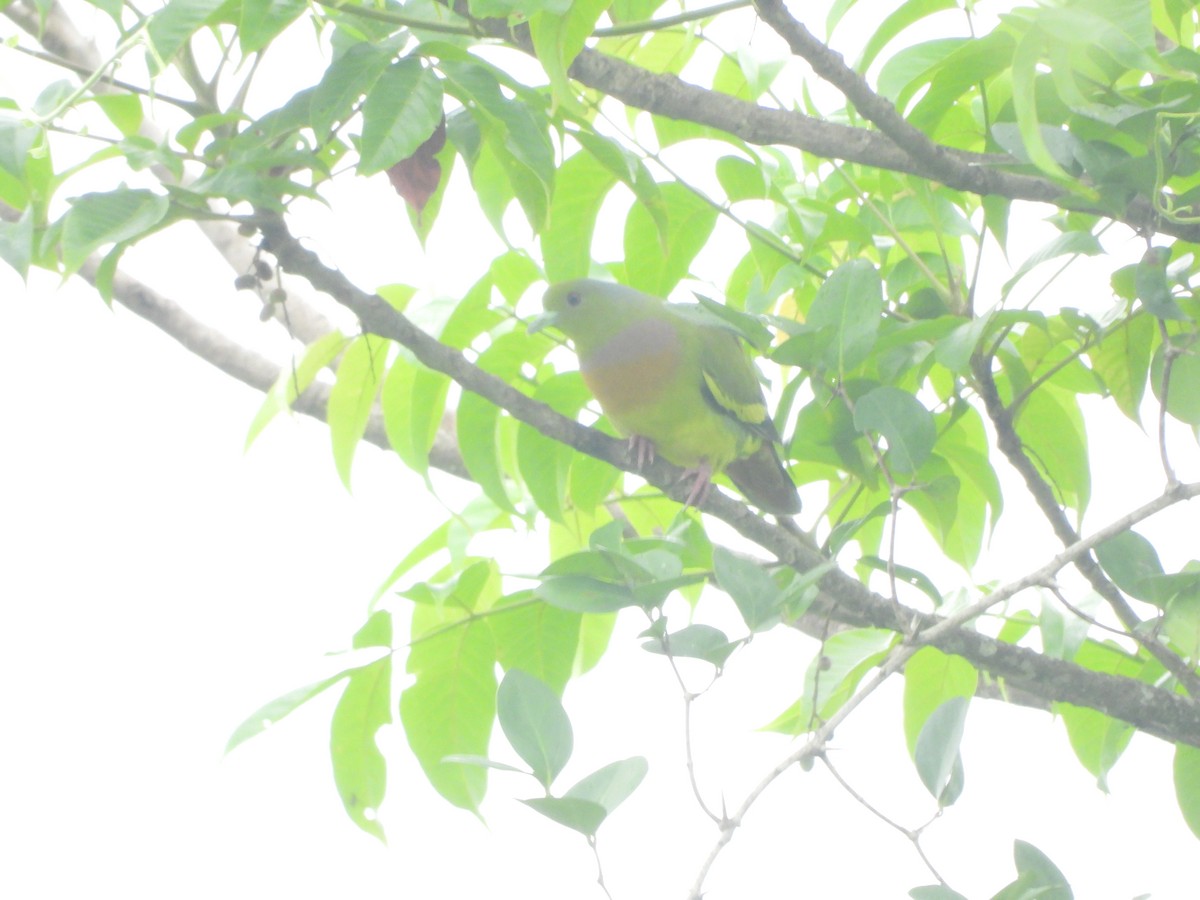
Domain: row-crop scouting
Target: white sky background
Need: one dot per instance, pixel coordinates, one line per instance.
(157, 585)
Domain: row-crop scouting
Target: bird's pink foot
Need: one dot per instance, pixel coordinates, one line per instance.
(642, 450)
(701, 477)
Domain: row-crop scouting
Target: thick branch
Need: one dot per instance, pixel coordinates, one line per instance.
(249, 367)
(1156, 711)
(830, 65)
(977, 173)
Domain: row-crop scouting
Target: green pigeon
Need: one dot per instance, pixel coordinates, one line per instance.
(675, 382)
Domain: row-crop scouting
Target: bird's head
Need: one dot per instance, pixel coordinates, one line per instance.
(586, 308)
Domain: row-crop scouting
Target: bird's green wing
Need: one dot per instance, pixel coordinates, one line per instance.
(732, 389)
(731, 382)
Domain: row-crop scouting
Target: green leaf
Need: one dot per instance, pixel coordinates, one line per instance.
(402, 109)
(590, 482)
(626, 11)
(523, 8)
(1037, 877)
(964, 446)
(95, 220)
(16, 242)
(476, 425)
(1130, 561)
(557, 40)
(846, 311)
(631, 171)
(359, 768)
(741, 179)
(474, 586)
(1071, 243)
(413, 400)
(294, 381)
(1051, 427)
(1183, 391)
(656, 266)
(1182, 622)
(270, 713)
(263, 20)
(1024, 97)
(931, 678)
(536, 638)
(910, 69)
(905, 424)
(935, 892)
(1122, 30)
(895, 22)
(450, 707)
(583, 594)
(535, 723)
(532, 187)
(696, 641)
(514, 155)
(1187, 784)
(347, 79)
(467, 759)
(954, 351)
(478, 421)
(937, 750)
(749, 327)
(436, 540)
(172, 26)
(17, 138)
(353, 395)
(545, 463)
(123, 110)
(753, 591)
(1122, 360)
(1098, 740)
(961, 70)
(584, 816)
(580, 188)
(939, 501)
(610, 785)
(833, 676)
(1150, 283)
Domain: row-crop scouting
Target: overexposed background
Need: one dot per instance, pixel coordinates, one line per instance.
(157, 585)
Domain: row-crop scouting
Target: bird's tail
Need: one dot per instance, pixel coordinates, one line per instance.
(764, 482)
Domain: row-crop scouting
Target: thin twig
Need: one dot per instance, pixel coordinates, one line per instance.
(1169, 352)
(692, 15)
(191, 107)
(913, 835)
(592, 842)
(1011, 446)
(688, 698)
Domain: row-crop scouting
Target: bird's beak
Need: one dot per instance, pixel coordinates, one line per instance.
(546, 319)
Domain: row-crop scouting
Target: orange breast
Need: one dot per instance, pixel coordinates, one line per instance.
(633, 368)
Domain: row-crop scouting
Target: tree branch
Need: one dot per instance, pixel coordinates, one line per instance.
(56, 32)
(1011, 446)
(1156, 711)
(247, 366)
(830, 65)
(977, 173)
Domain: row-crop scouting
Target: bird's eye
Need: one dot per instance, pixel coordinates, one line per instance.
(574, 299)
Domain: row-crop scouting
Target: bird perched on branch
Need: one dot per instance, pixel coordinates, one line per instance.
(677, 383)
